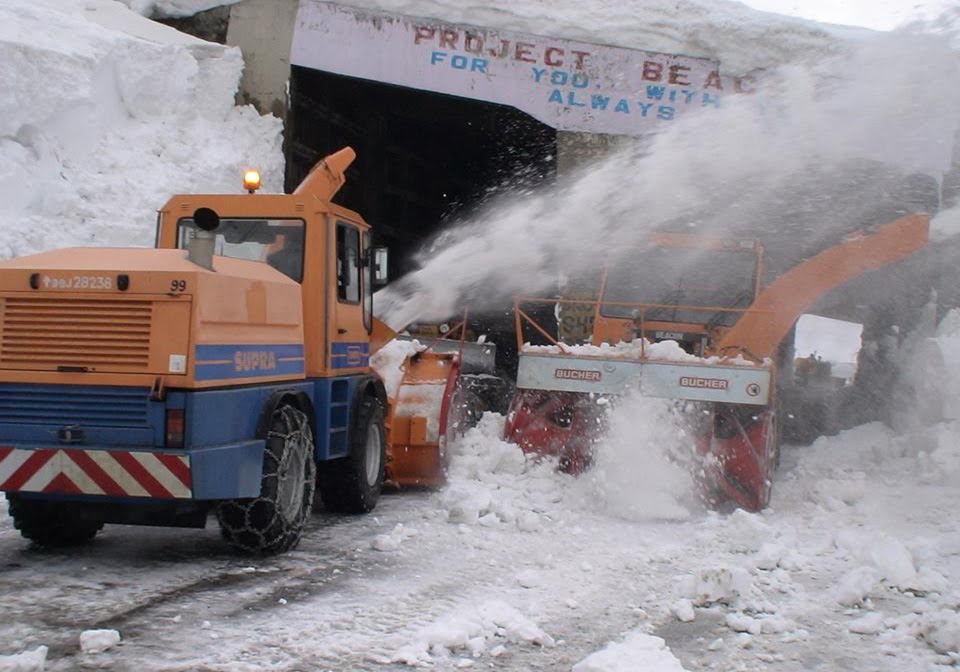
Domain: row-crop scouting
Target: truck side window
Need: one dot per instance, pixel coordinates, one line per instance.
(348, 263)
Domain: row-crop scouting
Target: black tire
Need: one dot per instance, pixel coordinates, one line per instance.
(352, 484)
(52, 524)
(274, 521)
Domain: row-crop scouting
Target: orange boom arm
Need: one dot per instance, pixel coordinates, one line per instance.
(761, 329)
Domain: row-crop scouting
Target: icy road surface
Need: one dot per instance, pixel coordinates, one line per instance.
(514, 567)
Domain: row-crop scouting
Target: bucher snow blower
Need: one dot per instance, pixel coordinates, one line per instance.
(685, 318)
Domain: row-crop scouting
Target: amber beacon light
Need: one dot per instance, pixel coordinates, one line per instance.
(251, 180)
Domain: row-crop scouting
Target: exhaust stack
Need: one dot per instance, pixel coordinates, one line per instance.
(200, 247)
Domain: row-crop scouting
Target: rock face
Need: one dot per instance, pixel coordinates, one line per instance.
(210, 25)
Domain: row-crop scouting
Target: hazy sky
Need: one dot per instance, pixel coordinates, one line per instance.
(877, 14)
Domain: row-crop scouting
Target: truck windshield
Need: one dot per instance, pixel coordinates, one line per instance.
(682, 276)
(278, 242)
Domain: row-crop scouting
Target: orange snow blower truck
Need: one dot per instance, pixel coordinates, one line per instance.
(685, 318)
(226, 371)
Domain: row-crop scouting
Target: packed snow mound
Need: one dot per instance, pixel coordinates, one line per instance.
(742, 39)
(638, 348)
(105, 115)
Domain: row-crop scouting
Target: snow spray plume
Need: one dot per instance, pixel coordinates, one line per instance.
(637, 471)
(824, 149)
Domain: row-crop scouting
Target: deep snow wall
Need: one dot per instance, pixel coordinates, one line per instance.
(105, 115)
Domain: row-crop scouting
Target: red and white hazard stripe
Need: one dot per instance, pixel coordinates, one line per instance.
(95, 472)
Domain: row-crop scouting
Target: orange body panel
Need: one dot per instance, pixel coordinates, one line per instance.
(416, 423)
(325, 319)
(150, 331)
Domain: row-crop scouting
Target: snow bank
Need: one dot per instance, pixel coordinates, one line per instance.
(106, 114)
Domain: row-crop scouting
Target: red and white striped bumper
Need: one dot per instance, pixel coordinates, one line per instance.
(118, 473)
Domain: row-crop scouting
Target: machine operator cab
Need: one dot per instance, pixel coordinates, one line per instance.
(323, 247)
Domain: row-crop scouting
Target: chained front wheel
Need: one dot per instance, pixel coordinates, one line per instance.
(274, 521)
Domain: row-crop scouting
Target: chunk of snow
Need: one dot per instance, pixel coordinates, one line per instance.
(529, 521)
(392, 540)
(529, 578)
(855, 585)
(746, 532)
(26, 661)
(98, 641)
(460, 629)
(637, 651)
(869, 624)
(389, 362)
(894, 562)
(769, 556)
(717, 586)
(941, 630)
(683, 610)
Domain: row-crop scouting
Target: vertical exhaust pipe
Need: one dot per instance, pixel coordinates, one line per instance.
(200, 247)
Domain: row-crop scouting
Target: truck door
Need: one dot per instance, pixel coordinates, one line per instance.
(349, 342)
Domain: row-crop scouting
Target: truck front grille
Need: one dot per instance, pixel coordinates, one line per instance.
(101, 335)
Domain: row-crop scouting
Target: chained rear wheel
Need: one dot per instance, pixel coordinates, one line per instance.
(274, 521)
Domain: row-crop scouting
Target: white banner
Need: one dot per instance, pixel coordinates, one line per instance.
(571, 86)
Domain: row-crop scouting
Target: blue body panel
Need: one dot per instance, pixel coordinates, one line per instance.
(226, 362)
(349, 355)
(220, 433)
(109, 416)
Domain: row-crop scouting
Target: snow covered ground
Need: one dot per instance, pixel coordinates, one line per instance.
(515, 567)
(512, 566)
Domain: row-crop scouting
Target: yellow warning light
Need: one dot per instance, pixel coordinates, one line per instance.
(251, 180)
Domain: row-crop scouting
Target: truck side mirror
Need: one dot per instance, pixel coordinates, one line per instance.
(379, 273)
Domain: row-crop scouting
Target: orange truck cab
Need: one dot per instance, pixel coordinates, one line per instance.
(226, 371)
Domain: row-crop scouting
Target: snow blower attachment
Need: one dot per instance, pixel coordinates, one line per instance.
(428, 402)
(686, 319)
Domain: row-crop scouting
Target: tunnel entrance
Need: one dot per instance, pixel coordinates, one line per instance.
(422, 158)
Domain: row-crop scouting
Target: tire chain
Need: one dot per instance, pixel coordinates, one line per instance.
(250, 536)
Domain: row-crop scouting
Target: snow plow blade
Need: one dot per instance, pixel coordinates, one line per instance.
(419, 420)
